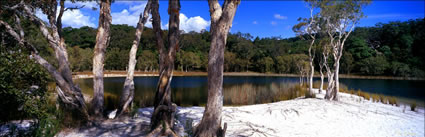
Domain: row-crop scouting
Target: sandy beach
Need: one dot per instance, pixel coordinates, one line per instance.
(350, 116)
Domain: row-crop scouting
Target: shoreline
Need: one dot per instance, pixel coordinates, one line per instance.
(350, 116)
(83, 75)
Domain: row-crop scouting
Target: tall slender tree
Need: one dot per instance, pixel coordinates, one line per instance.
(340, 19)
(309, 27)
(323, 63)
(128, 90)
(221, 22)
(102, 41)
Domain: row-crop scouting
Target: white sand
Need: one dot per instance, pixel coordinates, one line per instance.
(351, 116)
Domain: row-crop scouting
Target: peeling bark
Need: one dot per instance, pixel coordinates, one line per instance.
(322, 76)
(337, 34)
(166, 62)
(221, 22)
(102, 41)
(69, 94)
(128, 91)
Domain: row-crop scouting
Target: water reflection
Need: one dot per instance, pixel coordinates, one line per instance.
(245, 90)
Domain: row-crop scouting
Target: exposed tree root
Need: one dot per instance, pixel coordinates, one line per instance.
(162, 130)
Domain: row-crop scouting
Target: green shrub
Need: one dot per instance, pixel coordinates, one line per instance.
(23, 86)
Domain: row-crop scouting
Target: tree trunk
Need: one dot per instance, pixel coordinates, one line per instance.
(221, 21)
(310, 76)
(330, 74)
(336, 75)
(128, 91)
(310, 80)
(322, 78)
(102, 41)
(164, 109)
(69, 94)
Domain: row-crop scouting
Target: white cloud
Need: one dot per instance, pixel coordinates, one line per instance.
(196, 23)
(254, 22)
(278, 16)
(130, 16)
(273, 23)
(86, 4)
(72, 18)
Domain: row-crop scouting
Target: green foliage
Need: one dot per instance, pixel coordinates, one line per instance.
(80, 59)
(84, 37)
(265, 64)
(50, 124)
(373, 65)
(359, 48)
(147, 61)
(23, 91)
(189, 60)
(347, 63)
(399, 45)
(116, 59)
(229, 61)
(23, 86)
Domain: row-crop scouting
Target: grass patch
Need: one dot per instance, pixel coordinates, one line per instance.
(393, 101)
(248, 94)
(413, 106)
(383, 99)
(360, 93)
(373, 97)
(316, 84)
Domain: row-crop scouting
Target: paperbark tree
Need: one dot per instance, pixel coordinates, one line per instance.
(322, 61)
(69, 94)
(221, 22)
(164, 109)
(102, 41)
(309, 26)
(341, 18)
(127, 94)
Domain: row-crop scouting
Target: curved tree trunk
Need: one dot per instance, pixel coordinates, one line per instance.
(163, 107)
(102, 41)
(221, 21)
(329, 73)
(70, 95)
(127, 94)
(310, 76)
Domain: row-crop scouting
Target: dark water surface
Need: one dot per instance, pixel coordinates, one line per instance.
(192, 90)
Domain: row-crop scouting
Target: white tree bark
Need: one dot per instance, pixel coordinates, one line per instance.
(221, 22)
(69, 94)
(128, 90)
(102, 41)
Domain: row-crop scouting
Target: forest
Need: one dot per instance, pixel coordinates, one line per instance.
(390, 49)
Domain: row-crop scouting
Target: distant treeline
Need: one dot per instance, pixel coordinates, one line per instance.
(394, 49)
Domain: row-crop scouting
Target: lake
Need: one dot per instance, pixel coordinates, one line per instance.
(245, 90)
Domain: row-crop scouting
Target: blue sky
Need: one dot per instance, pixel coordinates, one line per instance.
(259, 18)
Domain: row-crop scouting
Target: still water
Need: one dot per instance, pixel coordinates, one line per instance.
(192, 90)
